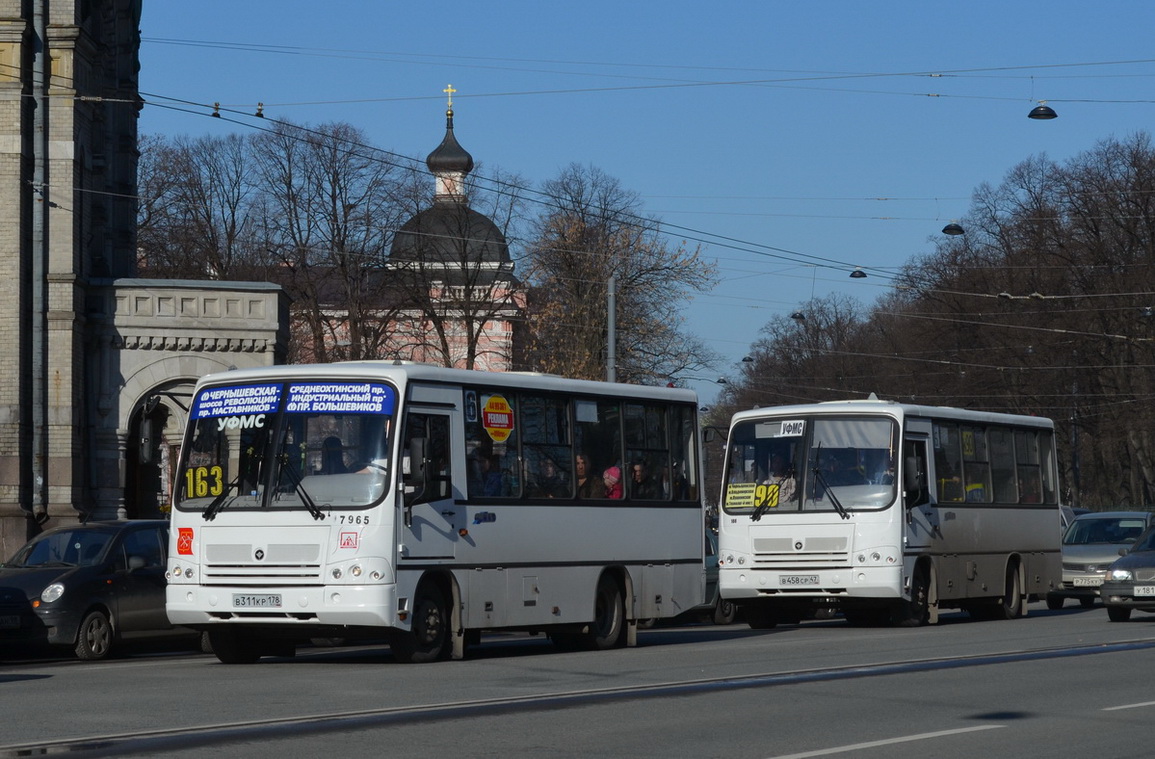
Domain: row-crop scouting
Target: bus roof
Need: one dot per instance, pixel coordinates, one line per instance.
(403, 372)
(896, 410)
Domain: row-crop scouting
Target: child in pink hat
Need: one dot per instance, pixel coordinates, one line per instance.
(613, 480)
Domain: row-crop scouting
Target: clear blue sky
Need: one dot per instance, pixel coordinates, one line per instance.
(847, 133)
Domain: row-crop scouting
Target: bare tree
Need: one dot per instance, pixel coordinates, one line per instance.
(329, 209)
(1043, 307)
(592, 229)
(195, 212)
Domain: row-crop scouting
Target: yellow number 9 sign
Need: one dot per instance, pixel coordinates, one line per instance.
(750, 496)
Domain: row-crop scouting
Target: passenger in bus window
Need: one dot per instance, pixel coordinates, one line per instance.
(613, 480)
(332, 456)
(782, 475)
(1028, 490)
(838, 473)
(491, 476)
(588, 485)
(642, 484)
(551, 484)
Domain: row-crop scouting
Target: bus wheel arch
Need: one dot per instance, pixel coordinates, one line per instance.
(428, 638)
(922, 606)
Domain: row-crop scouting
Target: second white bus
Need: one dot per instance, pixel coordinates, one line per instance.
(887, 512)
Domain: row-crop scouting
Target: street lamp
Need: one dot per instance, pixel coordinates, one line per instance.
(1042, 112)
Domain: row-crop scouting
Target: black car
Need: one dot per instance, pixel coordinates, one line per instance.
(86, 587)
(1130, 580)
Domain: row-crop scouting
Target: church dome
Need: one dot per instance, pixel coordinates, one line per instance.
(449, 156)
(451, 234)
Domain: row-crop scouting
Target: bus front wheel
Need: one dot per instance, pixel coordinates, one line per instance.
(916, 611)
(428, 640)
(233, 646)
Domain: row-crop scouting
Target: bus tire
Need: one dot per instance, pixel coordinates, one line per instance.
(233, 646)
(725, 612)
(609, 615)
(916, 611)
(760, 617)
(428, 640)
(1012, 603)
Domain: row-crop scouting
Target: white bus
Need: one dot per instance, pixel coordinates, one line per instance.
(887, 512)
(422, 505)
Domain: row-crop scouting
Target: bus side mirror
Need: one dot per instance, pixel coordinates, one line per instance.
(912, 480)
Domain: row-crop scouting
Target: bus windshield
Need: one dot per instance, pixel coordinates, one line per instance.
(298, 445)
(820, 463)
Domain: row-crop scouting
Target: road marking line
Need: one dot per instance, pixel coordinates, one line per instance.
(887, 742)
(1128, 706)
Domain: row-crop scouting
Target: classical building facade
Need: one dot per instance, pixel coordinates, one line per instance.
(97, 364)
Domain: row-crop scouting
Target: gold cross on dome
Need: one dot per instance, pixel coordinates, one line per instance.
(449, 91)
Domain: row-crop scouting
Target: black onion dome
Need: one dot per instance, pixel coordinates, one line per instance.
(451, 234)
(449, 156)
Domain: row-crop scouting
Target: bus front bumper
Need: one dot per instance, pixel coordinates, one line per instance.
(352, 605)
(738, 583)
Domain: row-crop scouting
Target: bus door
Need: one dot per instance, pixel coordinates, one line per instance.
(922, 517)
(430, 517)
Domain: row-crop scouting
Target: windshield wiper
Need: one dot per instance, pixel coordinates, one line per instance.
(306, 499)
(218, 503)
(758, 512)
(821, 480)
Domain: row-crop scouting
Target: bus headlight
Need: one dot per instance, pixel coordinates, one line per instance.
(337, 573)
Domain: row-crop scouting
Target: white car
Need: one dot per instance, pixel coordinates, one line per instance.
(1090, 545)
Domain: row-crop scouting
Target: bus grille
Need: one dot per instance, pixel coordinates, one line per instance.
(276, 564)
(801, 551)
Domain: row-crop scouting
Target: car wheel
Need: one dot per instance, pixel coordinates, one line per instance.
(1054, 603)
(1118, 613)
(94, 640)
(1086, 603)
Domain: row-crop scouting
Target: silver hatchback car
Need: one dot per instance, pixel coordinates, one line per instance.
(1090, 545)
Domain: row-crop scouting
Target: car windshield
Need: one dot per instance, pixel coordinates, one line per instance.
(1146, 542)
(67, 548)
(1104, 530)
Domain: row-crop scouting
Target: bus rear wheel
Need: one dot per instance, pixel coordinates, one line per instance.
(1010, 606)
(428, 640)
(609, 615)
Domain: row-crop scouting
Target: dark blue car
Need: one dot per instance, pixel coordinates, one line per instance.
(87, 587)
